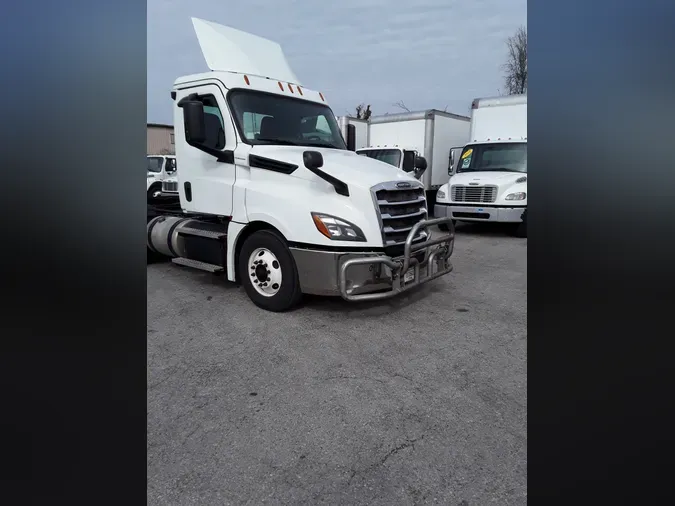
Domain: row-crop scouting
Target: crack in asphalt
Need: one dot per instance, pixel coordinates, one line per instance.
(408, 443)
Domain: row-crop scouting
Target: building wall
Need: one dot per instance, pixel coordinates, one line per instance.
(161, 140)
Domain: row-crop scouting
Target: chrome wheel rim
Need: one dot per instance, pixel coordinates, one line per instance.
(264, 270)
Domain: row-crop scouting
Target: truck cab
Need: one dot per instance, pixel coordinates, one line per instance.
(272, 196)
(407, 160)
(490, 181)
(160, 168)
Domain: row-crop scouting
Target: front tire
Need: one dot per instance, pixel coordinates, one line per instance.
(153, 191)
(268, 272)
(521, 228)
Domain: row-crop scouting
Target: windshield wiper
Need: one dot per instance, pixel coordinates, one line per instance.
(322, 145)
(283, 142)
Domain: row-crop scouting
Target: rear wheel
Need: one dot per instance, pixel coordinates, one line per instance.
(268, 272)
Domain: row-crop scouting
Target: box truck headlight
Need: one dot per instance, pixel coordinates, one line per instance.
(440, 194)
(337, 229)
(516, 196)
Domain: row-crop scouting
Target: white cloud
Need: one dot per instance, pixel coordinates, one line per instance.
(429, 53)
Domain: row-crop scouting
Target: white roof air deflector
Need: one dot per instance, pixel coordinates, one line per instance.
(228, 50)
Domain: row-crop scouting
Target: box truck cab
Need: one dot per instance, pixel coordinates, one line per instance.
(270, 195)
(490, 182)
(160, 168)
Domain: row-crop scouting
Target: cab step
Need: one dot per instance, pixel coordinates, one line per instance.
(196, 264)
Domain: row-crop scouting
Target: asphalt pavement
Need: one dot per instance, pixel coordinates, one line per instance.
(418, 400)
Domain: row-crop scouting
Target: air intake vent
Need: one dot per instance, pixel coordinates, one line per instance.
(473, 194)
(170, 186)
(399, 210)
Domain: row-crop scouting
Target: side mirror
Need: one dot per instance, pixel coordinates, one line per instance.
(420, 163)
(451, 167)
(312, 159)
(420, 166)
(351, 137)
(195, 126)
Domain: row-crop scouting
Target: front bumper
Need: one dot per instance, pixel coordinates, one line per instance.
(486, 212)
(373, 275)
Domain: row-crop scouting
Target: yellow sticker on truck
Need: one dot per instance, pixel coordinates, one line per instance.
(467, 153)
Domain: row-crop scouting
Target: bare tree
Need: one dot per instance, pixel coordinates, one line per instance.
(515, 68)
(401, 105)
(363, 113)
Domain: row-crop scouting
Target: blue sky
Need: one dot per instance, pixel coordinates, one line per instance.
(428, 53)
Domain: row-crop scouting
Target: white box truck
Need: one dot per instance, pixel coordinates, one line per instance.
(398, 138)
(490, 182)
(269, 193)
(361, 129)
(160, 168)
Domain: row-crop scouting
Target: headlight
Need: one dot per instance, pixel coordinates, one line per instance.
(440, 194)
(337, 228)
(516, 196)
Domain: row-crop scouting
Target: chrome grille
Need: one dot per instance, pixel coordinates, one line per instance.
(482, 194)
(399, 209)
(170, 186)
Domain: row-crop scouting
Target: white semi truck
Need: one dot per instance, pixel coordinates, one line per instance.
(490, 182)
(398, 139)
(270, 194)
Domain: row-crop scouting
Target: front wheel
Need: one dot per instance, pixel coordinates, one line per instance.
(154, 191)
(521, 228)
(268, 272)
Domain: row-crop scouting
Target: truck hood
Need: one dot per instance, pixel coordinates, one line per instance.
(347, 166)
(486, 178)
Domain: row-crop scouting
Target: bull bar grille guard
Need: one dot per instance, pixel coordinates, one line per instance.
(401, 266)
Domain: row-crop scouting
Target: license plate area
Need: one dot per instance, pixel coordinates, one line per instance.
(409, 276)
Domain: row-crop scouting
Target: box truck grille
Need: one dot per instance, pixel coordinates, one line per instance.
(482, 194)
(399, 209)
(169, 186)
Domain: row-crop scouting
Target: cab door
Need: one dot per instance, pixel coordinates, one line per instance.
(206, 182)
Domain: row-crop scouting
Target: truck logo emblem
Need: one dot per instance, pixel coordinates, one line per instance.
(402, 185)
(473, 184)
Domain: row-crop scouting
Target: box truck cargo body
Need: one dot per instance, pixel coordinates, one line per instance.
(361, 128)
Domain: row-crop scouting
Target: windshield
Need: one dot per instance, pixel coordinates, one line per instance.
(390, 156)
(155, 163)
(265, 118)
(502, 157)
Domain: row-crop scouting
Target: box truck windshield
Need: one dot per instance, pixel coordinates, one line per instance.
(506, 157)
(390, 156)
(265, 118)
